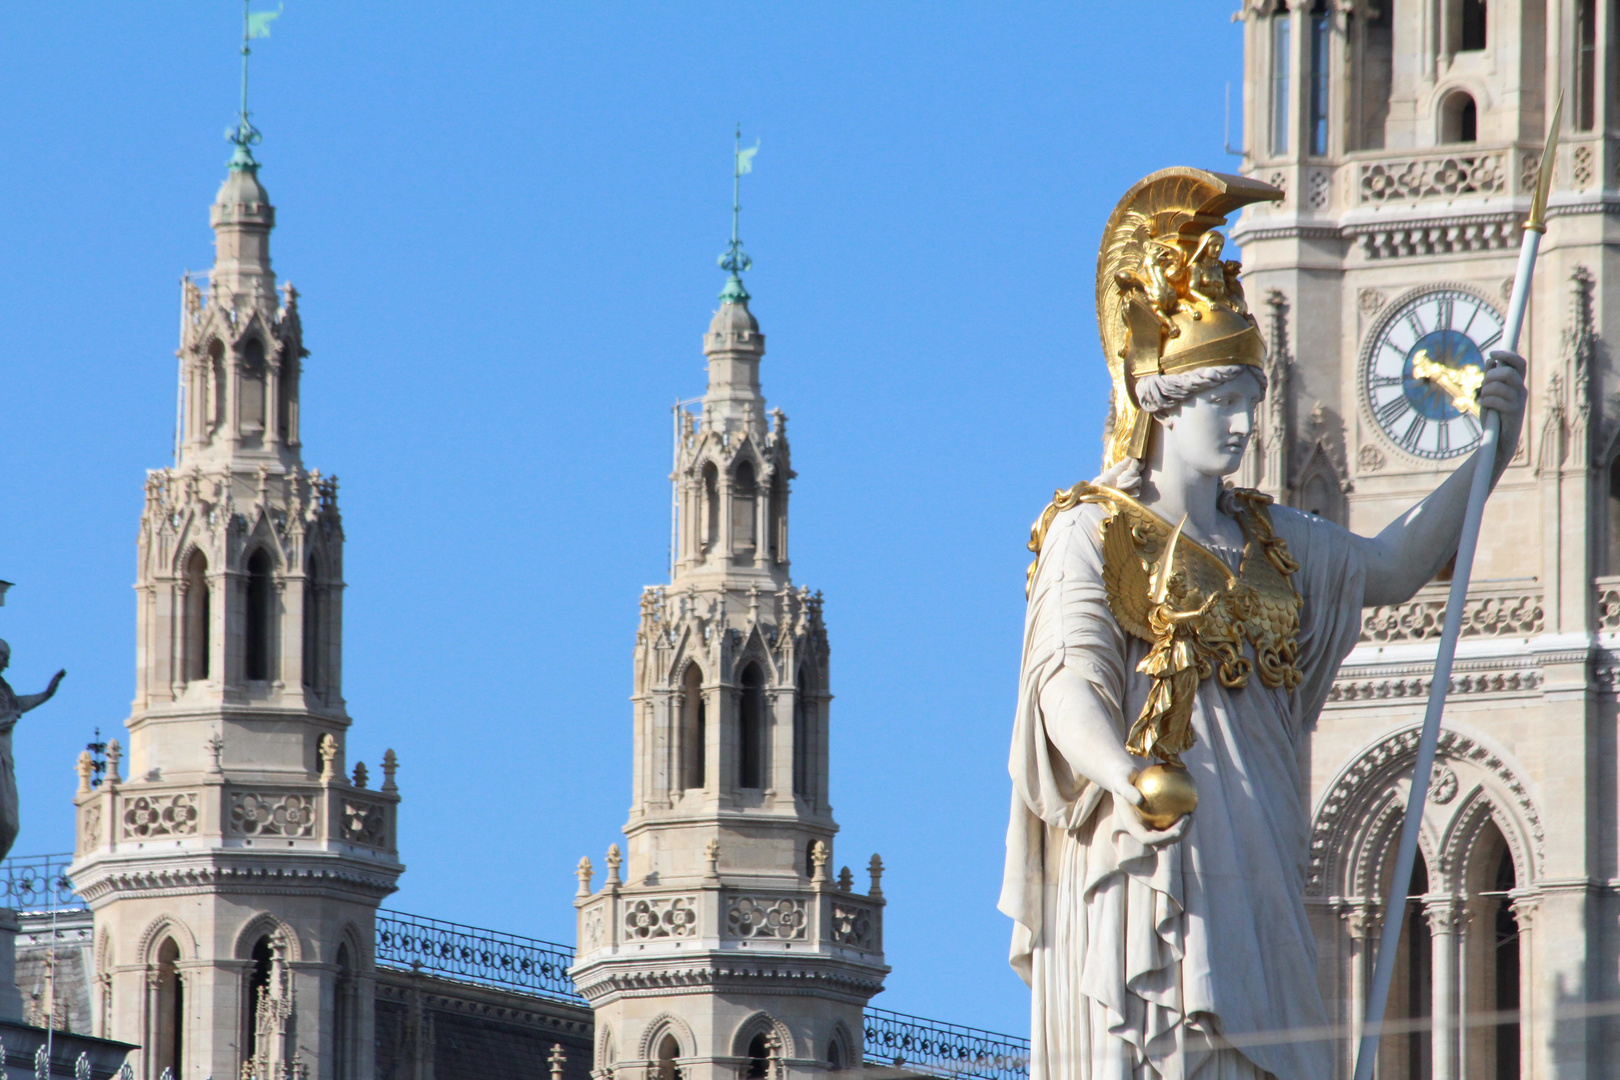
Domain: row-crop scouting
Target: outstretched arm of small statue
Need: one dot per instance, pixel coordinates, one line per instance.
(1412, 548)
(1080, 727)
(29, 701)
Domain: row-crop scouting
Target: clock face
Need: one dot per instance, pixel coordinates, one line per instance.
(1424, 365)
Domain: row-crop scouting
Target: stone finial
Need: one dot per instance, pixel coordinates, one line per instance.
(875, 868)
(327, 748)
(115, 754)
(584, 872)
(818, 861)
(390, 767)
(86, 766)
(711, 852)
(360, 774)
(215, 747)
(614, 861)
(557, 1058)
(846, 880)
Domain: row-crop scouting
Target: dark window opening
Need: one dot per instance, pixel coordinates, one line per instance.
(801, 733)
(668, 1051)
(743, 498)
(197, 617)
(1473, 26)
(252, 393)
(694, 729)
(1613, 566)
(258, 985)
(759, 1057)
(343, 1010)
(1321, 53)
(1419, 983)
(711, 506)
(1586, 80)
(1459, 119)
(169, 1035)
(256, 658)
(1372, 74)
(313, 616)
(751, 730)
(1280, 60)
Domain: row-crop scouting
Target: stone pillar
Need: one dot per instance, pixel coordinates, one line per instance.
(1445, 917)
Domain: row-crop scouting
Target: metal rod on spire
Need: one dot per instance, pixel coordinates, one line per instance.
(734, 260)
(1484, 465)
(244, 135)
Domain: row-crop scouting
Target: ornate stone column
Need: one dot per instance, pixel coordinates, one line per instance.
(1362, 920)
(1445, 919)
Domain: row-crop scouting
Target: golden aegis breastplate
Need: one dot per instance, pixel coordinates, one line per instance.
(1196, 614)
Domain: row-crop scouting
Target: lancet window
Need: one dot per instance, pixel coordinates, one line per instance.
(1471, 25)
(254, 989)
(668, 1051)
(751, 730)
(759, 1057)
(168, 1010)
(694, 729)
(345, 1002)
(778, 519)
(197, 616)
(252, 387)
(743, 498)
(801, 734)
(1586, 80)
(711, 506)
(1281, 33)
(259, 630)
(314, 638)
(1613, 546)
(216, 378)
(1372, 39)
(1321, 63)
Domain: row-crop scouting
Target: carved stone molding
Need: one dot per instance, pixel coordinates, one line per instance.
(1366, 790)
(1436, 236)
(1416, 687)
(1441, 176)
(147, 817)
(1491, 614)
(766, 917)
(661, 917)
(261, 813)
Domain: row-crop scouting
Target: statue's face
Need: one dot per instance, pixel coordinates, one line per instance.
(1209, 431)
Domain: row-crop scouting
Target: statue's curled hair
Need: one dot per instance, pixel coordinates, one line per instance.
(1158, 394)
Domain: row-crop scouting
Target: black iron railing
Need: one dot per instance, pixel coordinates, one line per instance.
(38, 883)
(467, 953)
(928, 1046)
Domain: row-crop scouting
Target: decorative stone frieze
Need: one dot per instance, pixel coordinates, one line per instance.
(147, 817)
(1490, 614)
(261, 813)
(765, 917)
(1441, 176)
(661, 917)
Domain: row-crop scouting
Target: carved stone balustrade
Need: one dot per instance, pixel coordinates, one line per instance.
(1496, 610)
(332, 814)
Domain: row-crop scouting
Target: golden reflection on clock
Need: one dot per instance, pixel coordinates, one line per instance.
(1423, 368)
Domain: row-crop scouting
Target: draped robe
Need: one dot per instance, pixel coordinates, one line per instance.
(1189, 960)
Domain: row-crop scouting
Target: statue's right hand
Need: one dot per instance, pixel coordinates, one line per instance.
(1117, 775)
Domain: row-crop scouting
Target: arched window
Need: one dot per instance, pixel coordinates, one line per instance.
(313, 616)
(344, 1003)
(1321, 54)
(1471, 26)
(1372, 37)
(743, 497)
(1414, 983)
(197, 616)
(694, 728)
(216, 377)
(287, 406)
(168, 1011)
(751, 730)
(257, 637)
(802, 741)
(759, 1057)
(1281, 58)
(1586, 80)
(1459, 119)
(1505, 970)
(711, 506)
(1613, 566)
(252, 394)
(778, 518)
(668, 1051)
(835, 1056)
(253, 993)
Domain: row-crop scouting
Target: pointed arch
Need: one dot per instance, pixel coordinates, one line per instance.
(607, 1051)
(841, 1048)
(660, 1026)
(264, 924)
(763, 1041)
(197, 617)
(159, 928)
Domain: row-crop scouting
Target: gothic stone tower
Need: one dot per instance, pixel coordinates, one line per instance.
(727, 950)
(1406, 134)
(235, 874)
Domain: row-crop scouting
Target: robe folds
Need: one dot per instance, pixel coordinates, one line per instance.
(1194, 960)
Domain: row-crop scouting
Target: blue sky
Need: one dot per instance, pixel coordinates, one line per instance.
(503, 220)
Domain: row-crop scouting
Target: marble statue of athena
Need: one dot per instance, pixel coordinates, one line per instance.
(1180, 637)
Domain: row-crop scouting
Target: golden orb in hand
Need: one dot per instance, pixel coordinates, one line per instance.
(1168, 792)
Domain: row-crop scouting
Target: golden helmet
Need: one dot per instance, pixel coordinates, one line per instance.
(1167, 301)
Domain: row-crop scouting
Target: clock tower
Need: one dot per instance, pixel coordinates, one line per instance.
(1406, 135)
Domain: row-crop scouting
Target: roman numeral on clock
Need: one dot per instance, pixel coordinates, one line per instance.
(1443, 440)
(1391, 410)
(1385, 380)
(1414, 432)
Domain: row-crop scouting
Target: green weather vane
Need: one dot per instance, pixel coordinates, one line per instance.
(734, 259)
(255, 24)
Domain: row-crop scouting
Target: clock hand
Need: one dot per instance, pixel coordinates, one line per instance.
(1461, 383)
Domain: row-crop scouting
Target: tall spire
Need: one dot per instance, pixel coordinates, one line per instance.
(734, 259)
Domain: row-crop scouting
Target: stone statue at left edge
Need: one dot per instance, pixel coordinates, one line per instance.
(12, 706)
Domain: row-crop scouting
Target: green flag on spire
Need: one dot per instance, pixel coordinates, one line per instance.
(258, 22)
(745, 158)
